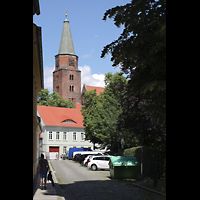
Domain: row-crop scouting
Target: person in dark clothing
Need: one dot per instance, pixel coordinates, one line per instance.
(43, 166)
(50, 178)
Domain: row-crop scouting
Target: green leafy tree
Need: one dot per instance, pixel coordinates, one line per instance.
(53, 99)
(91, 112)
(101, 112)
(43, 97)
(140, 51)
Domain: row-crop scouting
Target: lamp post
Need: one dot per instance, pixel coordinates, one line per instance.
(141, 147)
(141, 162)
(141, 165)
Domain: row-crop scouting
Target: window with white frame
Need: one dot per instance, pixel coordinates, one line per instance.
(64, 135)
(57, 135)
(82, 136)
(74, 136)
(50, 135)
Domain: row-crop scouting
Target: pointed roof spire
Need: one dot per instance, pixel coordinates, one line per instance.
(66, 15)
(66, 43)
(66, 18)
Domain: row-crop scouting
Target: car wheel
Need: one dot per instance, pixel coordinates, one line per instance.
(94, 167)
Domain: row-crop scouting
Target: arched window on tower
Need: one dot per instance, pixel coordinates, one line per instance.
(71, 88)
(71, 77)
(57, 88)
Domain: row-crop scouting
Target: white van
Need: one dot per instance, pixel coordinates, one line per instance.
(86, 152)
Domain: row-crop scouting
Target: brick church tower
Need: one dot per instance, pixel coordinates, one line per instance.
(67, 76)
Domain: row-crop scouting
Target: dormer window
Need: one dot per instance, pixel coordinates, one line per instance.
(69, 121)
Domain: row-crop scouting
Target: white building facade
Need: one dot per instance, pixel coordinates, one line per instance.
(63, 138)
(58, 139)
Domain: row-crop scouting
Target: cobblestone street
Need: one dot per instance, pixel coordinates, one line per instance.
(78, 182)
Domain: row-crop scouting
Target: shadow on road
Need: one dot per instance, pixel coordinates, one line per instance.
(105, 190)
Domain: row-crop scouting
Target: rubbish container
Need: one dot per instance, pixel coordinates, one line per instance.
(122, 167)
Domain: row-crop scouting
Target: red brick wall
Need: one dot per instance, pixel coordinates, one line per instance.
(61, 78)
(64, 61)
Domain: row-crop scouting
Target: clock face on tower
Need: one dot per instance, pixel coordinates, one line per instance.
(71, 62)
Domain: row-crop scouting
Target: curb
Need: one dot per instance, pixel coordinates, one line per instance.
(150, 190)
(57, 187)
(54, 176)
(69, 195)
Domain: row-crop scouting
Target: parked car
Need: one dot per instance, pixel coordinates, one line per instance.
(86, 152)
(87, 159)
(76, 157)
(84, 158)
(99, 162)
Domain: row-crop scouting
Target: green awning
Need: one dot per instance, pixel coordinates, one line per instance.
(123, 161)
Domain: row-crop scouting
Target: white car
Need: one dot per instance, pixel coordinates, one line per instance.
(99, 162)
(86, 160)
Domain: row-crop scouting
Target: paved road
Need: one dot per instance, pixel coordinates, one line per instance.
(81, 183)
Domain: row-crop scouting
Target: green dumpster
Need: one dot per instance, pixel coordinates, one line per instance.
(122, 167)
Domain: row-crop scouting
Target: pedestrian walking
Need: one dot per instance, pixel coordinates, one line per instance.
(43, 167)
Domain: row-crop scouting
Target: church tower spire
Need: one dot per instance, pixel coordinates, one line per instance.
(66, 43)
(67, 76)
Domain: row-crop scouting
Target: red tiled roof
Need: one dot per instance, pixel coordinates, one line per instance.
(98, 89)
(53, 116)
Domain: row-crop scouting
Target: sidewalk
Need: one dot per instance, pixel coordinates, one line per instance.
(50, 193)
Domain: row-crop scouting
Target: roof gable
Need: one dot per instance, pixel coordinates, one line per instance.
(98, 89)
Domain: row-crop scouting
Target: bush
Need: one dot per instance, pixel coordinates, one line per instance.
(147, 158)
(130, 151)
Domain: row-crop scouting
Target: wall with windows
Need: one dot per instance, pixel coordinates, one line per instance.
(64, 137)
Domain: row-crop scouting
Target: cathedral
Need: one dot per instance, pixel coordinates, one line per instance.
(67, 76)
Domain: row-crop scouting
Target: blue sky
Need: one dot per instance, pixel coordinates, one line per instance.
(89, 33)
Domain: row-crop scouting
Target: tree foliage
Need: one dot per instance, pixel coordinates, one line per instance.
(140, 51)
(101, 112)
(53, 99)
(91, 111)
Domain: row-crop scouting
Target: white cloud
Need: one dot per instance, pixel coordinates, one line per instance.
(91, 79)
(48, 78)
(86, 56)
(86, 77)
